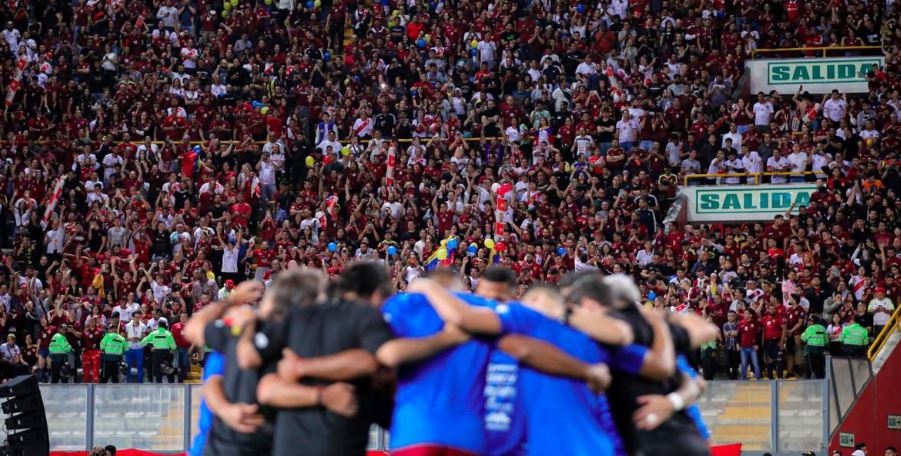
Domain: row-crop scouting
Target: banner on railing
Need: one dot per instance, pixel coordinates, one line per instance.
(817, 75)
(744, 203)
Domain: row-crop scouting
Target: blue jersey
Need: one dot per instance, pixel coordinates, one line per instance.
(214, 365)
(505, 422)
(693, 411)
(439, 400)
(563, 415)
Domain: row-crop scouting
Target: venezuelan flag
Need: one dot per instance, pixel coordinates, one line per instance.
(444, 254)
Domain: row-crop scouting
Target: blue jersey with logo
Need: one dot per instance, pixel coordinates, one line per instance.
(693, 411)
(439, 400)
(214, 365)
(505, 422)
(563, 415)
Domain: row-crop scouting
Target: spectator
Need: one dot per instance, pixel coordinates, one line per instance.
(591, 109)
(881, 309)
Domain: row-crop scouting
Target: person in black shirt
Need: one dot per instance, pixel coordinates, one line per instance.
(658, 435)
(333, 340)
(242, 426)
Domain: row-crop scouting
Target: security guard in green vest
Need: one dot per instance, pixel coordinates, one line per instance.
(163, 344)
(816, 339)
(113, 346)
(854, 339)
(59, 354)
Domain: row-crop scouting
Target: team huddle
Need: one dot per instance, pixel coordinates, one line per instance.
(575, 370)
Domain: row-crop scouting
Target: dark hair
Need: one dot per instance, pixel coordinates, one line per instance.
(365, 279)
(295, 288)
(499, 274)
(111, 449)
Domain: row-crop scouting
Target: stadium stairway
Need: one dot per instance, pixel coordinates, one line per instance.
(738, 412)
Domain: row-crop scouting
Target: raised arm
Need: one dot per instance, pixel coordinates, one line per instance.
(454, 311)
(602, 328)
(410, 350)
(245, 292)
(550, 360)
(346, 365)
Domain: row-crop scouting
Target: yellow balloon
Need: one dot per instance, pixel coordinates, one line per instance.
(310, 161)
(474, 43)
(442, 254)
(345, 151)
(489, 243)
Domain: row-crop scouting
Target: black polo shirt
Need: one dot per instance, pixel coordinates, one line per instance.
(240, 386)
(677, 436)
(320, 330)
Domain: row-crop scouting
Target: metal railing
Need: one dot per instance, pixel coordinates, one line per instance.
(774, 416)
(881, 338)
(823, 49)
(756, 176)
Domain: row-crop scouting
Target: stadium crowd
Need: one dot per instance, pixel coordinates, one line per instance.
(157, 153)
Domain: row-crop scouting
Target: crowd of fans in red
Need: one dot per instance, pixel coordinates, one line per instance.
(194, 143)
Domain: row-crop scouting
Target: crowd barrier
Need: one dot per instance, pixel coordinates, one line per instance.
(786, 415)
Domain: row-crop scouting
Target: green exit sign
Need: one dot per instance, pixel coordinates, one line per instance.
(894, 421)
(846, 440)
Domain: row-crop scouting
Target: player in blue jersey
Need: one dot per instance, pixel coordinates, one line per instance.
(563, 416)
(439, 400)
(213, 366)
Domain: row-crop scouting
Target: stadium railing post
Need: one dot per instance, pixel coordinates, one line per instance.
(827, 400)
(89, 415)
(188, 406)
(774, 414)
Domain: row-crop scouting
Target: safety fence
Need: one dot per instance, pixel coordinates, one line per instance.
(815, 51)
(774, 416)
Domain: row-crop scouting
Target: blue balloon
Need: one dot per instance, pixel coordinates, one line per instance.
(471, 250)
(652, 296)
(473, 51)
(420, 43)
(580, 8)
(386, 2)
(561, 251)
(392, 250)
(326, 56)
(452, 244)
(309, 5)
(332, 246)
(197, 149)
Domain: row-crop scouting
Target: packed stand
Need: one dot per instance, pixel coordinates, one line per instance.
(157, 153)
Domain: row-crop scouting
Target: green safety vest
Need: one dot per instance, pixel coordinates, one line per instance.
(815, 336)
(160, 339)
(855, 335)
(59, 345)
(113, 344)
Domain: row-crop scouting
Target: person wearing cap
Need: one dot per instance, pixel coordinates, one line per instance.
(815, 337)
(112, 347)
(163, 344)
(227, 287)
(881, 308)
(860, 450)
(808, 453)
(854, 339)
(59, 354)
